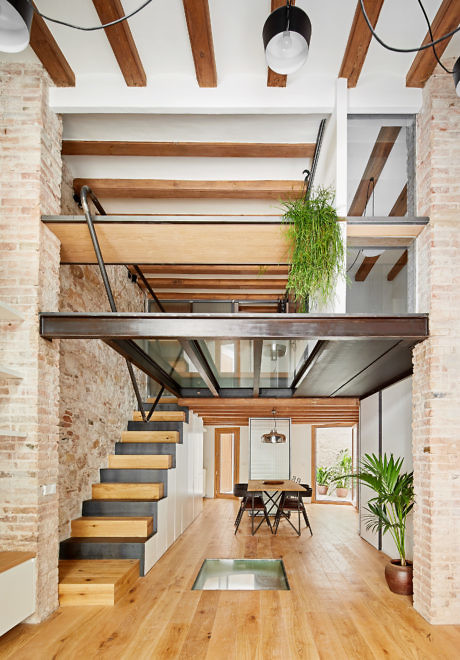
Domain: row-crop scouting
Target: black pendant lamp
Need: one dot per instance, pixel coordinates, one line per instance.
(274, 437)
(457, 76)
(286, 36)
(15, 23)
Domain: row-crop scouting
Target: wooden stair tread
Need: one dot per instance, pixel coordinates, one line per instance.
(95, 581)
(139, 461)
(162, 416)
(130, 491)
(164, 399)
(112, 526)
(107, 539)
(151, 436)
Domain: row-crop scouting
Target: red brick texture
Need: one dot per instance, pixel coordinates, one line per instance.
(30, 177)
(436, 382)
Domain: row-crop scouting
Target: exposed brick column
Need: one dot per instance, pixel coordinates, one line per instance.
(436, 382)
(30, 175)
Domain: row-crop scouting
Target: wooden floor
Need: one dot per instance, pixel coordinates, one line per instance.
(339, 606)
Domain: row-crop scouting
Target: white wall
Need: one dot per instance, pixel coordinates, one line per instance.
(396, 439)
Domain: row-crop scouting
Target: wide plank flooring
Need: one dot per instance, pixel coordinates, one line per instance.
(339, 606)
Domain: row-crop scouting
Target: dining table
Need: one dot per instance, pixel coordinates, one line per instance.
(275, 490)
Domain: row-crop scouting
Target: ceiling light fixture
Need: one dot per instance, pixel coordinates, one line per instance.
(16, 21)
(286, 36)
(274, 437)
(275, 351)
(456, 74)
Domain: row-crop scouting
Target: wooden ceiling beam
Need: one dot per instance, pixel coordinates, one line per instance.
(447, 19)
(365, 268)
(191, 189)
(212, 271)
(50, 55)
(200, 35)
(277, 79)
(400, 206)
(122, 42)
(218, 295)
(397, 268)
(382, 148)
(189, 283)
(188, 149)
(358, 41)
(318, 403)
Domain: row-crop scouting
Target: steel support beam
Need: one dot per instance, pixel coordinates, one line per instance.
(258, 344)
(200, 363)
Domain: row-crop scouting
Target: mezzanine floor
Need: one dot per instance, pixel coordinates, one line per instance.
(339, 606)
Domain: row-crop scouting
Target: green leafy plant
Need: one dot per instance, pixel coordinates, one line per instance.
(317, 251)
(394, 499)
(342, 469)
(323, 476)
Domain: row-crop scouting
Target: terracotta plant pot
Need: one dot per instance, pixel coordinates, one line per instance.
(399, 578)
(322, 490)
(341, 492)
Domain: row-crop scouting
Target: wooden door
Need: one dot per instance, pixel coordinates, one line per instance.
(227, 461)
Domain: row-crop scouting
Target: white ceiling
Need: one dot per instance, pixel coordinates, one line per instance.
(160, 33)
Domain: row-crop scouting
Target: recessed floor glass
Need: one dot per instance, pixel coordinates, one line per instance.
(241, 575)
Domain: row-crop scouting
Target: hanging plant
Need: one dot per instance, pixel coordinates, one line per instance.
(317, 251)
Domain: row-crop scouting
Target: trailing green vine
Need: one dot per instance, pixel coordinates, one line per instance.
(317, 251)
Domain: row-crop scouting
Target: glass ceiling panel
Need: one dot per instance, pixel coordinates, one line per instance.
(232, 361)
(281, 360)
(171, 357)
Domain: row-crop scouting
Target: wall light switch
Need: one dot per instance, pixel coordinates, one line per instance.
(48, 489)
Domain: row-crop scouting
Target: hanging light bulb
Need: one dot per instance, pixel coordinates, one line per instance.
(273, 437)
(286, 36)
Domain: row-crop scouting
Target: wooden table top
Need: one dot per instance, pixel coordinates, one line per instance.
(286, 486)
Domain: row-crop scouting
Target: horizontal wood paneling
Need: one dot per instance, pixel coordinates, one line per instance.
(190, 283)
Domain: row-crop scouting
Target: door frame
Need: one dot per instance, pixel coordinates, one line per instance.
(236, 466)
(313, 458)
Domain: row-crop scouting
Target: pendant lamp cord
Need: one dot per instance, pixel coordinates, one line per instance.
(82, 27)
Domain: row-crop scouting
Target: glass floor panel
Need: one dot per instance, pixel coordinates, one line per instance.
(241, 575)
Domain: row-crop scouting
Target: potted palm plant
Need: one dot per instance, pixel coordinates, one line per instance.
(388, 511)
(323, 479)
(317, 253)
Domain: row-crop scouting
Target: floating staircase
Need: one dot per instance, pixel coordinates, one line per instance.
(113, 538)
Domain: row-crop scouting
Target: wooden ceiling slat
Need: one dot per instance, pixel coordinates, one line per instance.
(447, 19)
(365, 268)
(49, 53)
(218, 295)
(191, 189)
(400, 206)
(358, 41)
(397, 268)
(277, 79)
(189, 283)
(122, 42)
(382, 148)
(188, 149)
(200, 35)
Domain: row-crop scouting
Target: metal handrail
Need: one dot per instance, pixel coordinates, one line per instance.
(86, 192)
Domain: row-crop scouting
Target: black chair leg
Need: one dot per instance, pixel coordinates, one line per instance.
(240, 514)
(307, 522)
(267, 519)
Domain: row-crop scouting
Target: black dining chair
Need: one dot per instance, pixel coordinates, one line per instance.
(291, 502)
(253, 503)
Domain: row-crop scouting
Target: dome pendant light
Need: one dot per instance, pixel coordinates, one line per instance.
(286, 36)
(457, 76)
(15, 22)
(273, 437)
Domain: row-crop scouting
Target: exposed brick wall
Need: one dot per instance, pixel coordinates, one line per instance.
(436, 382)
(96, 398)
(30, 175)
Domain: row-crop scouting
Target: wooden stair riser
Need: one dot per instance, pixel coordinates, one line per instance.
(115, 527)
(135, 461)
(162, 416)
(95, 582)
(172, 437)
(128, 491)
